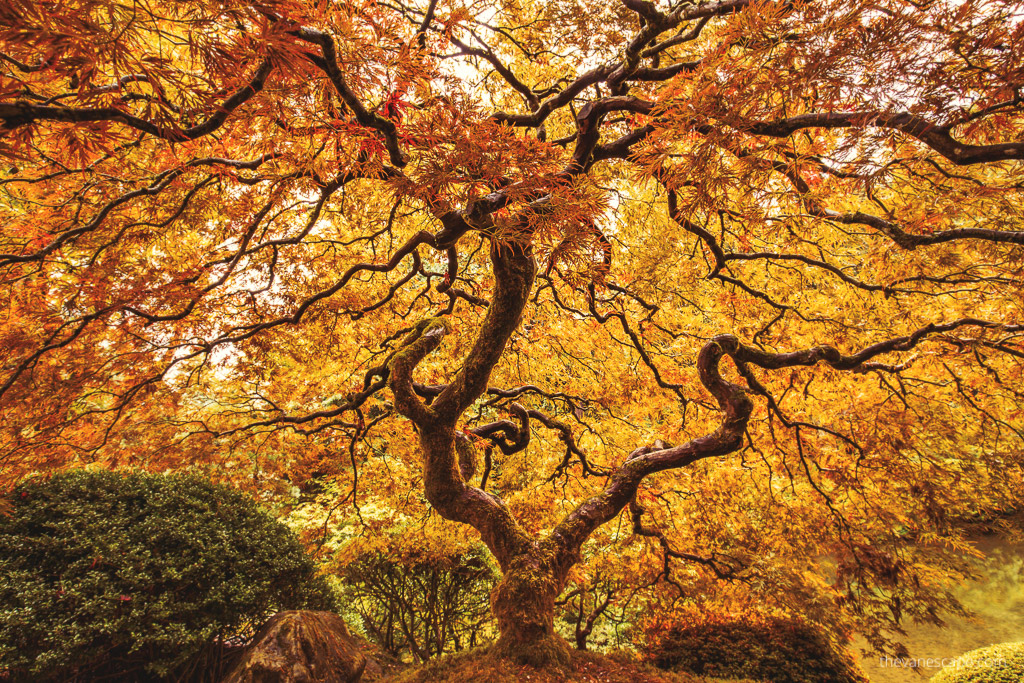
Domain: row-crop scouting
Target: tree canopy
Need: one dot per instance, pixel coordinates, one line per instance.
(744, 276)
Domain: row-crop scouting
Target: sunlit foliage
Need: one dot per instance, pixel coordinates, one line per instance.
(481, 255)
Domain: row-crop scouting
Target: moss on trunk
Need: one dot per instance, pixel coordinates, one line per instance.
(524, 607)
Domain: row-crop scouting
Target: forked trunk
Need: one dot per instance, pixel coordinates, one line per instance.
(523, 604)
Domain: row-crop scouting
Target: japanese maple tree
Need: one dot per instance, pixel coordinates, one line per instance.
(748, 274)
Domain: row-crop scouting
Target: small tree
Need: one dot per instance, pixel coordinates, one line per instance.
(419, 605)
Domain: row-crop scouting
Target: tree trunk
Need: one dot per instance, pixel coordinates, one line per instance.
(523, 604)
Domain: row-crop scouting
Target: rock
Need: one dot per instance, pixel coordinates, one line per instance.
(300, 647)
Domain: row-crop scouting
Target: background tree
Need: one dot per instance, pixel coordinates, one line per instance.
(414, 603)
(745, 276)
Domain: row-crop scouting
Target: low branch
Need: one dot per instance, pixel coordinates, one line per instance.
(570, 534)
(722, 566)
(423, 339)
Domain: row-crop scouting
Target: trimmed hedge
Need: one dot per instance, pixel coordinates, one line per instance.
(131, 576)
(994, 664)
(770, 648)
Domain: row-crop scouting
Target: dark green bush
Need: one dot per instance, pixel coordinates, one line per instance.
(769, 648)
(995, 664)
(131, 576)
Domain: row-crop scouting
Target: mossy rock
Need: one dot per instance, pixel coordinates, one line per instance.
(301, 646)
(994, 664)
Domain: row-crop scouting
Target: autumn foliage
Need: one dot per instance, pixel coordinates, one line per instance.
(719, 299)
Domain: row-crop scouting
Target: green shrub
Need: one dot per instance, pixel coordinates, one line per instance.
(770, 648)
(131, 576)
(994, 664)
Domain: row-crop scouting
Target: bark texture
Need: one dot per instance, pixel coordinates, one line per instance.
(523, 604)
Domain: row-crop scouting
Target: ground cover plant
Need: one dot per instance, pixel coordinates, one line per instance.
(763, 647)
(994, 664)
